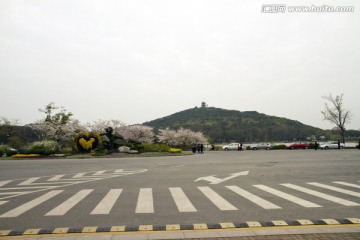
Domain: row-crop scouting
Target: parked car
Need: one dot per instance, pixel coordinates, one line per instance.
(258, 146)
(298, 145)
(332, 145)
(231, 146)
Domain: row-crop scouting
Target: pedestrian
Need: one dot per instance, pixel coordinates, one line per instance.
(212, 147)
(198, 148)
(241, 146)
(202, 148)
(316, 145)
(339, 144)
(193, 147)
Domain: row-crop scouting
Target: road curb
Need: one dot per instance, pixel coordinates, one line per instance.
(183, 227)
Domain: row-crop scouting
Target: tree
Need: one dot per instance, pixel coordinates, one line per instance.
(55, 126)
(137, 133)
(336, 113)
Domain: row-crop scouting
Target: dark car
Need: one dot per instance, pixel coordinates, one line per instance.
(298, 145)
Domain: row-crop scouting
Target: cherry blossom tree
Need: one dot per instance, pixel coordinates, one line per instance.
(181, 137)
(138, 133)
(100, 125)
(57, 125)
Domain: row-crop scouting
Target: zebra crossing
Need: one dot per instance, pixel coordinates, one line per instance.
(312, 195)
(36, 184)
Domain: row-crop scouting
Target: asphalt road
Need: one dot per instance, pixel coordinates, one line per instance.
(214, 187)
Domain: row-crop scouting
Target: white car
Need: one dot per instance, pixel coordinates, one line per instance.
(266, 146)
(331, 145)
(231, 146)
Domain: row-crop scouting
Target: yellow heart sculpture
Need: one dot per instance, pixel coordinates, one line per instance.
(86, 144)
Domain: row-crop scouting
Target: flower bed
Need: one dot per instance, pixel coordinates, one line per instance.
(26, 155)
(175, 150)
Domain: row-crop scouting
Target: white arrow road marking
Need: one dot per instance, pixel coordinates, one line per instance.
(215, 180)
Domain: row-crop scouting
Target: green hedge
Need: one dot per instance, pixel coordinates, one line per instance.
(5, 149)
(148, 147)
(279, 147)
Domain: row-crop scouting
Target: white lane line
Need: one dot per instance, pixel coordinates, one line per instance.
(181, 200)
(11, 193)
(289, 197)
(336, 189)
(29, 205)
(105, 206)
(99, 173)
(29, 181)
(56, 178)
(348, 184)
(3, 202)
(70, 203)
(79, 175)
(321, 195)
(3, 183)
(216, 199)
(253, 198)
(145, 202)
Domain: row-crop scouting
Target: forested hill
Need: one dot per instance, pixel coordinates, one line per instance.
(229, 125)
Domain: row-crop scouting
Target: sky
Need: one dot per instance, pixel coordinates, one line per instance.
(140, 60)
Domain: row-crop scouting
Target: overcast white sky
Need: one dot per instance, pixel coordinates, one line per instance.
(139, 60)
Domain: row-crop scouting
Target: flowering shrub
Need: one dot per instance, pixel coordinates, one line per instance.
(87, 141)
(175, 150)
(43, 148)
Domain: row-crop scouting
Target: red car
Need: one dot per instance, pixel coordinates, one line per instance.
(298, 145)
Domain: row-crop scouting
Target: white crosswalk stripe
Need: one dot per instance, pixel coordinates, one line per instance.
(145, 202)
(336, 189)
(321, 195)
(289, 197)
(215, 198)
(70, 203)
(3, 183)
(105, 206)
(184, 204)
(29, 205)
(181, 200)
(255, 199)
(348, 184)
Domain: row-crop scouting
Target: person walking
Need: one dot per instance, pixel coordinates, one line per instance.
(339, 144)
(202, 148)
(198, 148)
(316, 145)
